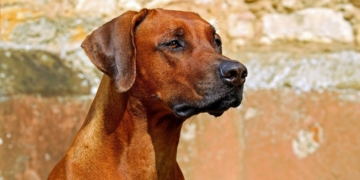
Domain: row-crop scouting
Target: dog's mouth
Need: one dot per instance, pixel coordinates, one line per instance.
(214, 107)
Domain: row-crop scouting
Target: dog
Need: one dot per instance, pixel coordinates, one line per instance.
(160, 68)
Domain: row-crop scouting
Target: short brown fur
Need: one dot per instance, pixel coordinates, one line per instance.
(149, 88)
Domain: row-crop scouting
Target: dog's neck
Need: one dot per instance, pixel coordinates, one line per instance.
(132, 137)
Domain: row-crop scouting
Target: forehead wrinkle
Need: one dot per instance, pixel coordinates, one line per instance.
(181, 26)
(177, 31)
(202, 28)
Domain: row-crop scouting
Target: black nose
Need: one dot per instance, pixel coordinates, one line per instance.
(232, 72)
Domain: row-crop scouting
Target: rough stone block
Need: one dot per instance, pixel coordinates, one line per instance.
(302, 71)
(312, 24)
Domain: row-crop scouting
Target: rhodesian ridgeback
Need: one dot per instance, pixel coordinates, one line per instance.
(160, 68)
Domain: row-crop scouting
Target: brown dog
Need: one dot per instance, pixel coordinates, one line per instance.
(161, 67)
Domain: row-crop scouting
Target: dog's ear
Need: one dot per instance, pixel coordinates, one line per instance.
(111, 48)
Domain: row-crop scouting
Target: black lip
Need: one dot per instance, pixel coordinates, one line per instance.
(216, 108)
(185, 111)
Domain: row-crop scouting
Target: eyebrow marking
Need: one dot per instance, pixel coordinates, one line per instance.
(212, 29)
(179, 31)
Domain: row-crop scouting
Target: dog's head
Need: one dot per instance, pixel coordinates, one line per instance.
(172, 58)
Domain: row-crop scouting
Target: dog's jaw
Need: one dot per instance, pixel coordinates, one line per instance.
(213, 106)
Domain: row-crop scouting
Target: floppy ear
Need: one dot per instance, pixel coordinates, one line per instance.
(111, 48)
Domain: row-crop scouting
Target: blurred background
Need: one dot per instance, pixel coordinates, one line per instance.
(299, 120)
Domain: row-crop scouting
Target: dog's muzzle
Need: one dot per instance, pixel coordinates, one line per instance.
(233, 75)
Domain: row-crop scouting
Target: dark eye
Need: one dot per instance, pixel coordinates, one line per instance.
(218, 42)
(175, 44)
(218, 45)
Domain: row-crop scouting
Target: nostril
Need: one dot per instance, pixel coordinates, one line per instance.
(230, 73)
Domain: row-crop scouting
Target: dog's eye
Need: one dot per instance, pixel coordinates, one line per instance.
(218, 42)
(218, 45)
(175, 44)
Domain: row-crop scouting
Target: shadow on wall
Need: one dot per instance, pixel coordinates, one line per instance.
(39, 72)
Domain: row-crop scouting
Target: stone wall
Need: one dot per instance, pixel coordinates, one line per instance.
(299, 119)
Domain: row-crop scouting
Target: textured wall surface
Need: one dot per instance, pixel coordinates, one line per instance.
(299, 120)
